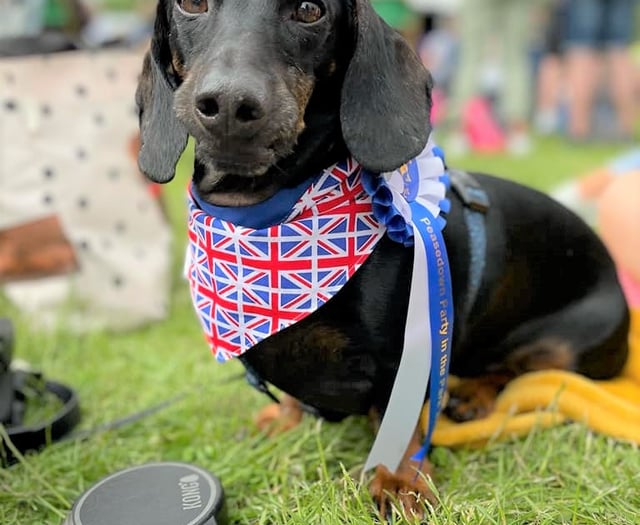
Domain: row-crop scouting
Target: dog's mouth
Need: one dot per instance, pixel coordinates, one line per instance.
(237, 176)
(235, 190)
(252, 162)
(243, 157)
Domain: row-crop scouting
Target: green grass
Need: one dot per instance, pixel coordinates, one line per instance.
(311, 475)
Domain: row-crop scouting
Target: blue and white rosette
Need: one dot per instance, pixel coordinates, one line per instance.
(410, 202)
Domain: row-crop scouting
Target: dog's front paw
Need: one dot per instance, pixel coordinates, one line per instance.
(277, 418)
(408, 489)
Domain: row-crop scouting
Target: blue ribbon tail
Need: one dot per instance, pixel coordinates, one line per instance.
(440, 313)
(421, 455)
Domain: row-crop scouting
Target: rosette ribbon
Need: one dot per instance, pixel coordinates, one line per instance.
(410, 202)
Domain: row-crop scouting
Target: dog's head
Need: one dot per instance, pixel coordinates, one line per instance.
(268, 86)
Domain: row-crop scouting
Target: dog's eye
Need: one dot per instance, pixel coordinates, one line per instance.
(308, 12)
(194, 7)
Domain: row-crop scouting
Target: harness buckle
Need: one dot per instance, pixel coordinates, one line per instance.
(469, 191)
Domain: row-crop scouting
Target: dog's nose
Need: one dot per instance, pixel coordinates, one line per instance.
(233, 111)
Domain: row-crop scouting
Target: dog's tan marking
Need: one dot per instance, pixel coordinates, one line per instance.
(544, 354)
(327, 343)
(178, 66)
(474, 398)
(277, 418)
(408, 486)
(375, 418)
(301, 90)
(331, 68)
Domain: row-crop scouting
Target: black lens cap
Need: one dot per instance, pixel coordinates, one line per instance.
(152, 494)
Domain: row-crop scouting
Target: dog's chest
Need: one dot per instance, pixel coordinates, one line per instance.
(343, 357)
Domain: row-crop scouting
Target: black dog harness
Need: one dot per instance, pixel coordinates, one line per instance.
(476, 205)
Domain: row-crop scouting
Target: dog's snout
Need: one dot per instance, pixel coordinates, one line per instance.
(231, 110)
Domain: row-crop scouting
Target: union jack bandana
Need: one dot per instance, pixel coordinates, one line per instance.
(247, 284)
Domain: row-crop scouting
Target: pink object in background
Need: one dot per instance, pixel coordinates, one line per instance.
(631, 288)
(482, 130)
(619, 225)
(439, 107)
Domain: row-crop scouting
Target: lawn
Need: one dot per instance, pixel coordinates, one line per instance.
(310, 475)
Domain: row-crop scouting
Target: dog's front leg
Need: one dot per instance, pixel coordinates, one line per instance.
(277, 418)
(408, 485)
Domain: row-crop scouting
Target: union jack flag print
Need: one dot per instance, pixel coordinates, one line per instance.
(247, 284)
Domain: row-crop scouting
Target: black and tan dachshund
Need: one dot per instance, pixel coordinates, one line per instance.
(275, 90)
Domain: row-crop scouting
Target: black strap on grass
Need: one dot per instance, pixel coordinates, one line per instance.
(34, 437)
(19, 385)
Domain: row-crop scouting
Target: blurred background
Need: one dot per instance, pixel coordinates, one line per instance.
(505, 70)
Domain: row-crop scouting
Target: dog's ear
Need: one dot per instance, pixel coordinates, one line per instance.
(163, 138)
(386, 95)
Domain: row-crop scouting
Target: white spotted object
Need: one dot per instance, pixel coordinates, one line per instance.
(67, 122)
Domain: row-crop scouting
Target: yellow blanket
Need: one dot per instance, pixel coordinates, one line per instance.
(550, 397)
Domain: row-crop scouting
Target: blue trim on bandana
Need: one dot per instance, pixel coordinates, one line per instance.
(265, 214)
